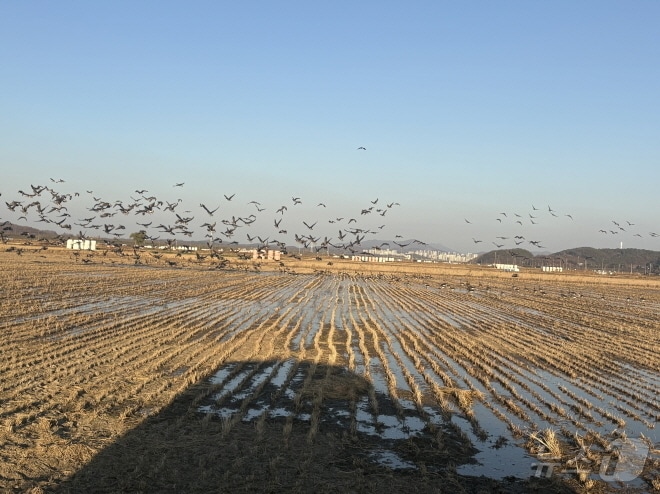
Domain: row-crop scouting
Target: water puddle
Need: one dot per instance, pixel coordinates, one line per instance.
(391, 459)
(495, 459)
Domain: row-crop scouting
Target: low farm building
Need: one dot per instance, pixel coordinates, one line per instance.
(78, 244)
(554, 269)
(270, 254)
(508, 267)
(371, 258)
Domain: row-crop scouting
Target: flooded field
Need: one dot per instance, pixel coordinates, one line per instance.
(433, 377)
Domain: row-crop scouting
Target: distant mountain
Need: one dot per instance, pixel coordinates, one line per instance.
(610, 258)
(578, 258)
(13, 230)
(508, 256)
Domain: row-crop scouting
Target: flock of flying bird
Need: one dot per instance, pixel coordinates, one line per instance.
(45, 204)
(534, 217)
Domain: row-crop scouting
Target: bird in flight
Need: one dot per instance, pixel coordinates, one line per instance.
(179, 184)
(208, 210)
(229, 198)
(362, 147)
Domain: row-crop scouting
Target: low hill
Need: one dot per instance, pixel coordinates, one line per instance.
(12, 230)
(504, 256)
(637, 260)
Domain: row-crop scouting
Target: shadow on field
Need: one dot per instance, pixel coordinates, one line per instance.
(283, 427)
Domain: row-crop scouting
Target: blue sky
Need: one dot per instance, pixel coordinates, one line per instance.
(467, 110)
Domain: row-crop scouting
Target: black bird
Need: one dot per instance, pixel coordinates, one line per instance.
(208, 210)
(179, 184)
(476, 241)
(362, 147)
(311, 227)
(230, 197)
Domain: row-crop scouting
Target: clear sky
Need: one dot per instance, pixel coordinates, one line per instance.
(466, 110)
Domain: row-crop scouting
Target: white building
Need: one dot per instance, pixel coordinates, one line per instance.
(270, 254)
(508, 267)
(372, 258)
(79, 244)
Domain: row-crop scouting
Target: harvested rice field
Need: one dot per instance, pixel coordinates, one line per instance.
(306, 377)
